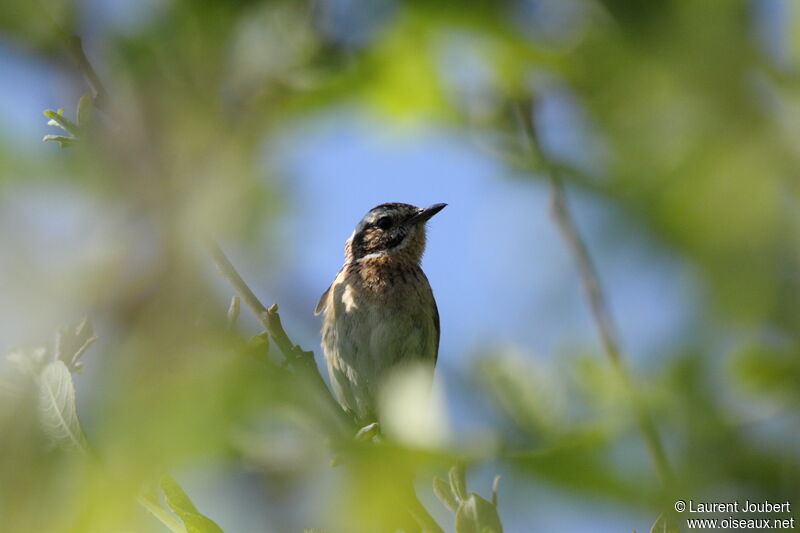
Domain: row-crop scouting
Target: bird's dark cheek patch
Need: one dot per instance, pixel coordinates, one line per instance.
(358, 245)
(373, 241)
(366, 242)
(394, 241)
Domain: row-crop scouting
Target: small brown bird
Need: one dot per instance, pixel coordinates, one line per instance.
(379, 312)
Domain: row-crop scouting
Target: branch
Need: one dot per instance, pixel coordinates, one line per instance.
(590, 282)
(295, 356)
(73, 44)
(75, 47)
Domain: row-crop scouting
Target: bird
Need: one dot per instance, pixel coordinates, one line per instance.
(379, 314)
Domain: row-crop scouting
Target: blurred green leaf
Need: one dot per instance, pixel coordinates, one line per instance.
(58, 119)
(72, 342)
(57, 406)
(367, 432)
(442, 491)
(403, 80)
(580, 461)
(477, 515)
(65, 142)
(259, 345)
(525, 392)
(458, 481)
(182, 506)
(149, 500)
(771, 370)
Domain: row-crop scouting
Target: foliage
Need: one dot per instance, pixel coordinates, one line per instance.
(474, 514)
(679, 118)
(73, 129)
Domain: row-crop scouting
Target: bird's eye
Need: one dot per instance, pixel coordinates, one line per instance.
(384, 222)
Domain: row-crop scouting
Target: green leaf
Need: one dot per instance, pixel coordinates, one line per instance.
(442, 490)
(57, 407)
(769, 370)
(260, 341)
(407, 83)
(258, 346)
(177, 498)
(458, 482)
(72, 342)
(366, 433)
(65, 142)
(84, 113)
(525, 392)
(57, 119)
(477, 515)
(182, 506)
(149, 500)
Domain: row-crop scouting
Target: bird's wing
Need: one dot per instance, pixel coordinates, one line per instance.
(323, 300)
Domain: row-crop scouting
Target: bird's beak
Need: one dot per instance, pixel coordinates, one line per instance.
(424, 214)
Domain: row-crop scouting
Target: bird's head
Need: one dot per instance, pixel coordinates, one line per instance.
(391, 230)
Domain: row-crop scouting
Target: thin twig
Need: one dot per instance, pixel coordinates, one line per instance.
(269, 318)
(590, 282)
(74, 45)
